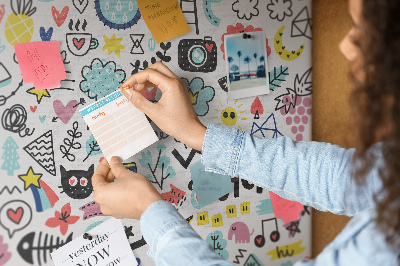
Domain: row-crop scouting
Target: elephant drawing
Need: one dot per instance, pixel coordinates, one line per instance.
(241, 232)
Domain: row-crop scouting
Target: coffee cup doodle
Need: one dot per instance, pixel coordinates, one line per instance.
(80, 43)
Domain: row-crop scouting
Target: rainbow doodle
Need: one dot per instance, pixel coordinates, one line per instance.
(45, 198)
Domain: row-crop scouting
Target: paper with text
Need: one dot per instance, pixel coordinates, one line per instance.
(108, 246)
(118, 126)
(41, 64)
(164, 18)
(207, 185)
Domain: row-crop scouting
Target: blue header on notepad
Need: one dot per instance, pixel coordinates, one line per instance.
(100, 103)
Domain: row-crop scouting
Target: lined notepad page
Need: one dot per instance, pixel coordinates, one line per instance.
(118, 126)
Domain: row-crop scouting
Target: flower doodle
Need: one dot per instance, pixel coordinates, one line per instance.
(199, 95)
(62, 219)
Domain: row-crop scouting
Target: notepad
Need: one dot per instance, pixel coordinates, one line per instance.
(118, 126)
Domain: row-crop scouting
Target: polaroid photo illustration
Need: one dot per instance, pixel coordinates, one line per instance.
(246, 64)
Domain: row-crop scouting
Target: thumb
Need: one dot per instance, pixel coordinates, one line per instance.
(138, 100)
(117, 167)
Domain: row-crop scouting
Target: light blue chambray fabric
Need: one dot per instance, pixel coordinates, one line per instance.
(313, 173)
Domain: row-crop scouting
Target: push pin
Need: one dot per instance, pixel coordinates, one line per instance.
(87, 236)
(246, 36)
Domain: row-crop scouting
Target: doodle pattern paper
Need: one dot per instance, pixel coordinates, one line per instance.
(101, 44)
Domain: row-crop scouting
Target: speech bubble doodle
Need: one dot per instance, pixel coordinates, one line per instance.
(15, 215)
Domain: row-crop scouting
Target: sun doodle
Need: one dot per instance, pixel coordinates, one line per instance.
(229, 114)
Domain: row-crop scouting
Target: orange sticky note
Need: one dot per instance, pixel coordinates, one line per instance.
(41, 64)
(164, 18)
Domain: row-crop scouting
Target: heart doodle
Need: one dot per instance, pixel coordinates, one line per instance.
(209, 47)
(59, 18)
(259, 239)
(46, 35)
(15, 216)
(33, 108)
(79, 44)
(42, 118)
(80, 5)
(65, 112)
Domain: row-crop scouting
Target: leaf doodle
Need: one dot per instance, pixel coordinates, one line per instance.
(71, 143)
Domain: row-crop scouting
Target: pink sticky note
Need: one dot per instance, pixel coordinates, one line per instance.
(41, 64)
(285, 209)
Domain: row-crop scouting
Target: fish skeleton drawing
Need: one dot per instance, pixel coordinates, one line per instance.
(27, 250)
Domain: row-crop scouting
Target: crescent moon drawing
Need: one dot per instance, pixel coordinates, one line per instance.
(280, 48)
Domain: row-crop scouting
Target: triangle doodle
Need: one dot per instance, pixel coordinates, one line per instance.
(41, 150)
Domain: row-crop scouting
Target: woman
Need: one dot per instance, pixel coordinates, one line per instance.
(362, 182)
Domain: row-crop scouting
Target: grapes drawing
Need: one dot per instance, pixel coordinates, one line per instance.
(117, 14)
(298, 116)
(19, 24)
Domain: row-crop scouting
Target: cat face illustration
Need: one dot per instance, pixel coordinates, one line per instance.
(77, 184)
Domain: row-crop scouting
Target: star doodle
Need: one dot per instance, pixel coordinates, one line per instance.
(113, 45)
(30, 178)
(292, 227)
(263, 127)
(39, 94)
(128, 231)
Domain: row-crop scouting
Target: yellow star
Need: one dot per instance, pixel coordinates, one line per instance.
(30, 178)
(113, 45)
(39, 93)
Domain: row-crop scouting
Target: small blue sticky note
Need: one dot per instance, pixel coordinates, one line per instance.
(207, 185)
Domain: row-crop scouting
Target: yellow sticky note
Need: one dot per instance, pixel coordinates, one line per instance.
(164, 18)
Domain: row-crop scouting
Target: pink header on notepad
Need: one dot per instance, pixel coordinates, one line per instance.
(41, 64)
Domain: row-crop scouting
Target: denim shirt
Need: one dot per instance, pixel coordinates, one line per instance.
(312, 173)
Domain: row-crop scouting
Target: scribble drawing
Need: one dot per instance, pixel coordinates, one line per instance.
(277, 76)
(213, 19)
(14, 120)
(302, 24)
(281, 49)
(41, 150)
(27, 248)
(190, 12)
(237, 257)
(101, 79)
(200, 95)
(10, 156)
(71, 143)
(279, 9)
(245, 9)
(116, 14)
(19, 24)
(271, 126)
(162, 164)
(10, 191)
(217, 241)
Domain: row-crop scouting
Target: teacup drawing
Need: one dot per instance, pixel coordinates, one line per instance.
(80, 43)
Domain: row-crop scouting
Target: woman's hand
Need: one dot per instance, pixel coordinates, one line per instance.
(127, 197)
(174, 113)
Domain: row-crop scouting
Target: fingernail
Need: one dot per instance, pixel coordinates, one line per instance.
(127, 93)
(124, 88)
(115, 160)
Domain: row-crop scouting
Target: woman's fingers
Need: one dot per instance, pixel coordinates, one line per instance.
(160, 67)
(100, 174)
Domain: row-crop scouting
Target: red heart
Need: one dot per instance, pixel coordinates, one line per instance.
(71, 181)
(78, 44)
(15, 216)
(58, 17)
(33, 108)
(259, 239)
(82, 182)
(273, 236)
(209, 47)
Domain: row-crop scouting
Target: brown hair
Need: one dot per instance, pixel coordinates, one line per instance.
(376, 101)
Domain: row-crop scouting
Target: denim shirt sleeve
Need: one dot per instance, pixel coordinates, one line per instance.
(313, 173)
(172, 240)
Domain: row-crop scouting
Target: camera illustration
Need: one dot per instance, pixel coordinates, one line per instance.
(197, 55)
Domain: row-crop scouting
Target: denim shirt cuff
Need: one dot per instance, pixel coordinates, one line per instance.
(159, 218)
(221, 149)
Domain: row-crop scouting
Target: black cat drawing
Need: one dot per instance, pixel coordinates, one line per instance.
(77, 184)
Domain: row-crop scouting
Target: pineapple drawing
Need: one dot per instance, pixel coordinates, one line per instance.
(19, 24)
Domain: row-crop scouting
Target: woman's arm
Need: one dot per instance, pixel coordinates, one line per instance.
(312, 173)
